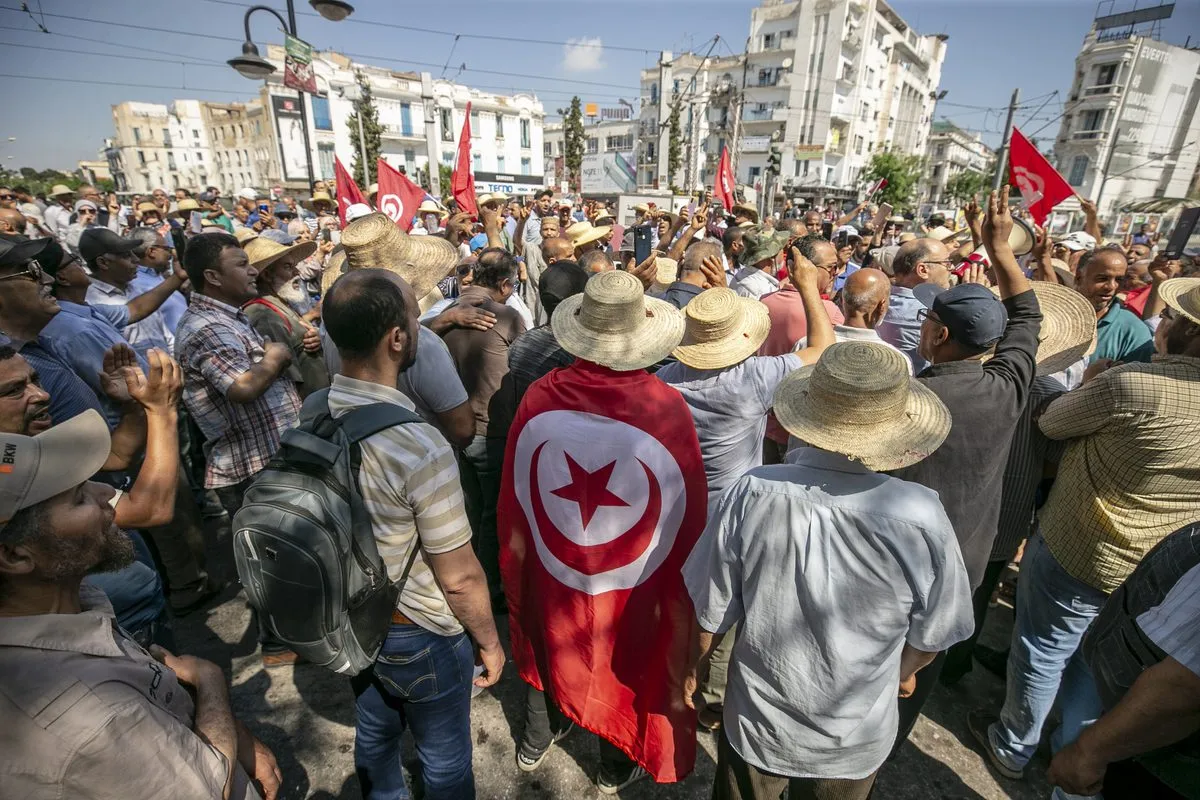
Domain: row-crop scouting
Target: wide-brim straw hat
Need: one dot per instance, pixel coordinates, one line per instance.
(1068, 331)
(58, 189)
(721, 328)
(584, 232)
(1183, 295)
(376, 241)
(318, 197)
(614, 324)
(749, 210)
(858, 400)
(147, 207)
(334, 269)
(495, 197)
(263, 252)
(185, 207)
(244, 235)
(430, 207)
(666, 273)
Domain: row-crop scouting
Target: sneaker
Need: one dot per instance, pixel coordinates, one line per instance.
(979, 722)
(529, 759)
(608, 785)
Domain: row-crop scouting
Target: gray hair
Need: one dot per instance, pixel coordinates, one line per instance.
(147, 236)
(698, 252)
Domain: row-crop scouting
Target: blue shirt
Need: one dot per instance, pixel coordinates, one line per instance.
(900, 327)
(171, 309)
(1122, 336)
(150, 331)
(840, 280)
(69, 395)
(79, 335)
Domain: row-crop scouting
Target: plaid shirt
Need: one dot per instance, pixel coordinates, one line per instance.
(1130, 474)
(214, 345)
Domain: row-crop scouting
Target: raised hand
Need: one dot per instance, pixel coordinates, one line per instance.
(117, 359)
(998, 223)
(158, 392)
(646, 271)
(714, 273)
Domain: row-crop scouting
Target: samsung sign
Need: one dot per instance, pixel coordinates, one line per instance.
(493, 182)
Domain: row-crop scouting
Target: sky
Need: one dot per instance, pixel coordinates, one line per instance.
(59, 86)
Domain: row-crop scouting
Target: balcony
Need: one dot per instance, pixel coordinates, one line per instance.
(853, 42)
(847, 78)
(765, 115)
(1112, 90)
(400, 132)
(1083, 136)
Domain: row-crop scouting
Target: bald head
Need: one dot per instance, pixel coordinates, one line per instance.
(558, 248)
(11, 221)
(865, 298)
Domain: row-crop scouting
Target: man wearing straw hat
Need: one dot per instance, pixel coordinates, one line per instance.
(809, 705)
(58, 213)
(603, 498)
(1128, 478)
(271, 312)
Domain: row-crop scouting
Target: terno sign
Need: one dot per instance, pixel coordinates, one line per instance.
(503, 183)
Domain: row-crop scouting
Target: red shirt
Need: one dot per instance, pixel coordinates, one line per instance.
(788, 322)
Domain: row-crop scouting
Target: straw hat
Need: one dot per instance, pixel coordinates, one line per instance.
(58, 190)
(243, 235)
(211, 223)
(1068, 331)
(429, 207)
(604, 213)
(1183, 295)
(858, 400)
(722, 329)
(584, 232)
(1063, 270)
(318, 197)
(747, 209)
(667, 271)
(334, 269)
(185, 207)
(376, 241)
(147, 207)
(486, 198)
(613, 323)
(263, 252)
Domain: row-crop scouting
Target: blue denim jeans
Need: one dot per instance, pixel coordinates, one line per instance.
(421, 681)
(136, 595)
(1053, 612)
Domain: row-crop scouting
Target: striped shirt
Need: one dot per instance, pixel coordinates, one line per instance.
(1130, 474)
(410, 487)
(1172, 624)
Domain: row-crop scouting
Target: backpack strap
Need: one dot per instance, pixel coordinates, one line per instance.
(366, 421)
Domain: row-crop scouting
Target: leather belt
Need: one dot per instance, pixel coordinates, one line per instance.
(398, 618)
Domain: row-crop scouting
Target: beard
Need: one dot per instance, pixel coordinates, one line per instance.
(293, 293)
(70, 557)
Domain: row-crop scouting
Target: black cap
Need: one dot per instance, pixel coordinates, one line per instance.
(974, 316)
(14, 253)
(560, 280)
(96, 242)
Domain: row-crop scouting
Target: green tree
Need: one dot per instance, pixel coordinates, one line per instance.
(372, 132)
(445, 172)
(573, 141)
(674, 145)
(962, 186)
(902, 174)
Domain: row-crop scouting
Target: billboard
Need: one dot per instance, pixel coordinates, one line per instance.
(290, 132)
(808, 152)
(297, 65)
(608, 173)
(508, 183)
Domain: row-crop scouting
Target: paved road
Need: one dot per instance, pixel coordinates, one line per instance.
(306, 715)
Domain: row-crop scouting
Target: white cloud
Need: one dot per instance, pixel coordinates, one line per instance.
(583, 55)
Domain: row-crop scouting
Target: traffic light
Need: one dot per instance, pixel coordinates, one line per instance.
(773, 160)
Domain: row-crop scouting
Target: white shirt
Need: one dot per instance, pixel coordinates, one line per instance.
(844, 333)
(753, 282)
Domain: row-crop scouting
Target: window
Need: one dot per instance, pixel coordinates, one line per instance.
(865, 112)
(171, 161)
(499, 163)
(1079, 167)
(526, 165)
(475, 126)
(941, 150)
(410, 159)
(258, 128)
(547, 149)
(619, 142)
(137, 136)
(560, 148)
(1106, 74)
(593, 145)
(754, 173)
(769, 41)
(858, 145)
(654, 94)
(476, 162)
(199, 158)
(406, 119)
(166, 136)
(447, 119)
(141, 158)
(448, 157)
(195, 133)
(320, 112)
(1092, 120)
(524, 133)
(499, 126)
(787, 34)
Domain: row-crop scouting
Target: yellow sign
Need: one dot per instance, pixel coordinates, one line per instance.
(591, 109)
(808, 152)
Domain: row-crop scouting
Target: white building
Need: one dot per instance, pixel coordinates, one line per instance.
(952, 151)
(1134, 106)
(834, 80)
(157, 145)
(605, 141)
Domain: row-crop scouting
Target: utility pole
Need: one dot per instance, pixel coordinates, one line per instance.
(1002, 156)
(735, 148)
(1112, 148)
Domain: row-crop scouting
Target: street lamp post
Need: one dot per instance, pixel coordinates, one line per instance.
(253, 66)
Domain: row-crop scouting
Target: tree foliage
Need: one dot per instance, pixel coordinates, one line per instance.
(674, 145)
(39, 181)
(902, 174)
(962, 186)
(445, 174)
(372, 132)
(573, 141)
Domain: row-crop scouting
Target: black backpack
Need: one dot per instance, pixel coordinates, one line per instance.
(303, 543)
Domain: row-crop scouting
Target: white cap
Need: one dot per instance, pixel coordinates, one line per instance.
(356, 211)
(36, 468)
(1079, 241)
(247, 194)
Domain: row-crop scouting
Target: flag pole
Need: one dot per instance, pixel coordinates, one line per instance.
(1002, 156)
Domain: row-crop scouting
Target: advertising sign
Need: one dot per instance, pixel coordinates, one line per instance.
(298, 70)
(507, 183)
(608, 173)
(289, 131)
(808, 152)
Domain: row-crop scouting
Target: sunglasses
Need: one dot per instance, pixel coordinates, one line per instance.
(7, 196)
(83, 211)
(925, 314)
(33, 272)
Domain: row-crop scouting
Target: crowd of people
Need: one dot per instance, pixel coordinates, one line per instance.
(763, 482)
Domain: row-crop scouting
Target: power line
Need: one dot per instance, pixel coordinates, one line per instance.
(123, 83)
(116, 55)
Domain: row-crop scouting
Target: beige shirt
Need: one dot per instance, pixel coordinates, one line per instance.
(87, 713)
(1131, 471)
(410, 487)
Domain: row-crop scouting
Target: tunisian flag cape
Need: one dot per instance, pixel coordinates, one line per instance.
(602, 500)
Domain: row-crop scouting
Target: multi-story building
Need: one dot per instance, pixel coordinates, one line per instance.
(952, 151)
(159, 146)
(603, 139)
(833, 81)
(1131, 128)
(237, 134)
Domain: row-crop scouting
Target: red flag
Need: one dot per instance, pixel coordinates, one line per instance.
(398, 196)
(462, 180)
(602, 499)
(879, 186)
(724, 183)
(1042, 188)
(347, 190)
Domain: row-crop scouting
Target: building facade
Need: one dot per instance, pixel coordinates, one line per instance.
(157, 145)
(952, 151)
(609, 144)
(1131, 128)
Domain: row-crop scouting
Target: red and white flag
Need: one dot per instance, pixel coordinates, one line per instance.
(724, 183)
(398, 196)
(1042, 187)
(602, 499)
(347, 190)
(462, 180)
(879, 186)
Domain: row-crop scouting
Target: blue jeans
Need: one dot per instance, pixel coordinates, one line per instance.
(1053, 612)
(136, 595)
(421, 681)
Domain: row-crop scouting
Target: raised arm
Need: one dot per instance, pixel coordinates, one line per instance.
(996, 228)
(1091, 222)
(679, 246)
(151, 499)
(1162, 269)
(849, 215)
(805, 276)
(1043, 269)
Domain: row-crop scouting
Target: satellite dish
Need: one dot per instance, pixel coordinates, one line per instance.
(787, 63)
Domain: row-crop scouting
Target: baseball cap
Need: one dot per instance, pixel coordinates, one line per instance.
(16, 253)
(1078, 241)
(478, 242)
(357, 211)
(96, 242)
(247, 193)
(281, 210)
(974, 316)
(207, 197)
(36, 468)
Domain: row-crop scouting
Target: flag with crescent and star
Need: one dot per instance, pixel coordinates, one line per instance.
(603, 498)
(398, 197)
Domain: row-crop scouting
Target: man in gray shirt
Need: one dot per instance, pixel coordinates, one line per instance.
(843, 582)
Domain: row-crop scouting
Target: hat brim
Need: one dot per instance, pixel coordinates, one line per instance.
(21, 252)
(740, 344)
(441, 212)
(882, 445)
(595, 234)
(1172, 293)
(71, 453)
(301, 250)
(1068, 328)
(652, 341)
